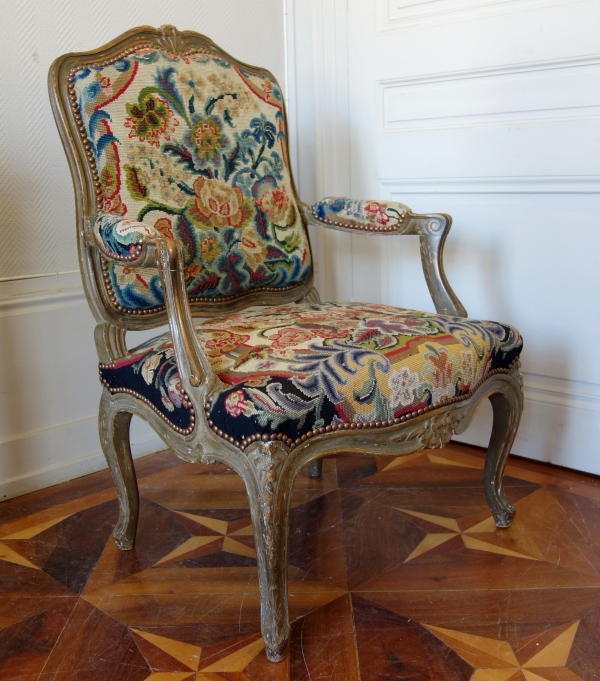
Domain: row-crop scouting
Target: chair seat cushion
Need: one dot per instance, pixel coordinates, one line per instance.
(288, 371)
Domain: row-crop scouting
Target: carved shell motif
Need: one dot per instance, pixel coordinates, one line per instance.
(433, 433)
(171, 40)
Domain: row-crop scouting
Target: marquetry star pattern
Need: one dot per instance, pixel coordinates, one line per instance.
(454, 537)
(220, 536)
(542, 657)
(201, 663)
(365, 541)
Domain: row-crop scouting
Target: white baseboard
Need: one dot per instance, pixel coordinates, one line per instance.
(560, 424)
(48, 457)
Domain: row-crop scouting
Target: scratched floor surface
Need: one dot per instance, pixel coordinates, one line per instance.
(396, 572)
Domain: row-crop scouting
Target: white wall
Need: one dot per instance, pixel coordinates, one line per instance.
(49, 389)
(488, 110)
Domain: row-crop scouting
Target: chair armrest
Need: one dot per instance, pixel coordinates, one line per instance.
(118, 239)
(390, 217)
(376, 217)
(140, 245)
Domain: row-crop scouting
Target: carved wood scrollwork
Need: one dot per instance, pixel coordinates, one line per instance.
(433, 433)
(266, 459)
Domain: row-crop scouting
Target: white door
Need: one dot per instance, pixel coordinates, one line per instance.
(488, 110)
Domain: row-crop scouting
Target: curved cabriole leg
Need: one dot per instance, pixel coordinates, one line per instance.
(315, 468)
(269, 484)
(507, 414)
(114, 438)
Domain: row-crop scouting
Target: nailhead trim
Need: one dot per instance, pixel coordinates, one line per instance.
(194, 299)
(360, 226)
(292, 444)
(134, 252)
(186, 402)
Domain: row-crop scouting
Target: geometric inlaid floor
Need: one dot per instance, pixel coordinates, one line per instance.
(396, 572)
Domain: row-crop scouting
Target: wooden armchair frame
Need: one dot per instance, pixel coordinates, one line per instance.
(268, 467)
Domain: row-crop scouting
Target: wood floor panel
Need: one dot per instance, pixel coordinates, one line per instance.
(26, 644)
(396, 572)
(322, 644)
(511, 614)
(94, 647)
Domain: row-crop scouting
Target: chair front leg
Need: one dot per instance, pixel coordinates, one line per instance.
(114, 437)
(269, 484)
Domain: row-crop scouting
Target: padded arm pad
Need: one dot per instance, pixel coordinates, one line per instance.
(370, 216)
(118, 238)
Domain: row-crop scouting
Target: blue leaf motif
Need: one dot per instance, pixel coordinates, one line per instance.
(330, 367)
(95, 118)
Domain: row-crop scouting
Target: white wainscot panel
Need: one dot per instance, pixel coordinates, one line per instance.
(403, 14)
(49, 388)
(563, 89)
(528, 260)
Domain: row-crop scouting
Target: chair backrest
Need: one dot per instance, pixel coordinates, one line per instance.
(166, 128)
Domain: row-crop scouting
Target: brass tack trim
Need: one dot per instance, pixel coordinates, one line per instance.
(134, 253)
(112, 296)
(358, 226)
(186, 403)
(292, 444)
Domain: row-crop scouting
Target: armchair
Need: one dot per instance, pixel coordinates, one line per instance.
(187, 214)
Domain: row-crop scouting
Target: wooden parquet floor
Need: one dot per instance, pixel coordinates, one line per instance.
(396, 573)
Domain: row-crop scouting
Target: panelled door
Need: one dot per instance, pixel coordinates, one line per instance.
(488, 110)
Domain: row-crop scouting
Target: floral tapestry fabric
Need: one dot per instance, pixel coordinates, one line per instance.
(194, 147)
(372, 215)
(292, 369)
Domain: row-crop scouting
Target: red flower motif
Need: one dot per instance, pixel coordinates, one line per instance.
(289, 337)
(236, 404)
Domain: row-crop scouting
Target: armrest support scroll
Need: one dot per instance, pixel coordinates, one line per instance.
(433, 231)
(147, 248)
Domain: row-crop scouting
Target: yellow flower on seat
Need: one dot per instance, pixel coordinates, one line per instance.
(219, 202)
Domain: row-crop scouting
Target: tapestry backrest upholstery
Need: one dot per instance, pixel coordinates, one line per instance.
(195, 146)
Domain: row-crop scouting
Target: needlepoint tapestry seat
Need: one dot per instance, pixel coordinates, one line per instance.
(290, 371)
(187, 215)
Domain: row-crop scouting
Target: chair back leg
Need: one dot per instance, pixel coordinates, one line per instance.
(114, 438)
(507, 408)
(315, 468)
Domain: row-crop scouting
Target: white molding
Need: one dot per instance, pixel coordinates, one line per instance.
(291, 92)
(533, 184)
(38, 459)
(39, 293)
(562, 393)
(38, 302)
(332, 175)
(398, 15)
(416, 102)
(41, 275)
